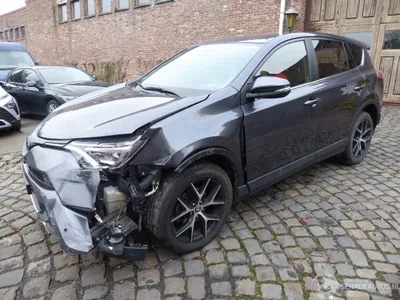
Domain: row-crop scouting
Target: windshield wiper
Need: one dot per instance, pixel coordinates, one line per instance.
(157, 89)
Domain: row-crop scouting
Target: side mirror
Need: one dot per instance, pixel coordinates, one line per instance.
(269, 87)
(2, 83)
(95, 77)
(33, 84)
(36, 63)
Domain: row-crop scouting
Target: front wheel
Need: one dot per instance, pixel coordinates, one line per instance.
(359, 140)
(51, 106)
(191, 207)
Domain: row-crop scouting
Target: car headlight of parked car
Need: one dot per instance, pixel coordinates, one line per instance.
(105, 153)
(67, 98)
(11, 104)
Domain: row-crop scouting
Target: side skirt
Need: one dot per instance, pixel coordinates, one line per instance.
(273, 177)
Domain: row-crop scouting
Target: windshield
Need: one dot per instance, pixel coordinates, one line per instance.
(64, 75)
(207, 67)
(15, 59)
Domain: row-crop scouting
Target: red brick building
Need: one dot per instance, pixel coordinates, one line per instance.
(90, 31)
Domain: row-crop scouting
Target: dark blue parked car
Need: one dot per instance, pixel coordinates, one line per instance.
(13, 55)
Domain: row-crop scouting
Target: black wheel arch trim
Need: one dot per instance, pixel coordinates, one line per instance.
(370, 100)
(210, 152)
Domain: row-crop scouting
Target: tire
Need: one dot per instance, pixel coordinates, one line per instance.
(359, 137)
(163, 213)
(51, 106)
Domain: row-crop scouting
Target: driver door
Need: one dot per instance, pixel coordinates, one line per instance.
(34, 97)
(281, 133)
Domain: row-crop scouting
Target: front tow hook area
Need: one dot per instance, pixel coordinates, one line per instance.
(112, 237)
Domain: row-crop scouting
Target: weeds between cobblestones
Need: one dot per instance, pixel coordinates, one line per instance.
(335, 221)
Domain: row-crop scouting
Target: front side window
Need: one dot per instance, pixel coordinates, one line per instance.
(206, 67)
(64, 75)
(15, 59)
(123, 4)
(76, 9)
(16, 76)
(288, 62)
(30, 75)
(89, 8)
(392, 40)
(62, 13)
(331, 57)
(105, 6)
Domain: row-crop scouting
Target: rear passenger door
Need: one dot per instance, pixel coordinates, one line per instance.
(341, 85)
(14, 86)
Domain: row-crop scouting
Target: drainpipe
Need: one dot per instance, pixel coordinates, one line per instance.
(282, 16)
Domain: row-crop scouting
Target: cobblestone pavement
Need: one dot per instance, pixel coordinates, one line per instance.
(329, 224)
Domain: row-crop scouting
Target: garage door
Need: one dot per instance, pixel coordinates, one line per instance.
(375, 22)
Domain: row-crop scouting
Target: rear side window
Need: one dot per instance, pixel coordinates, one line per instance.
(357, 53)
(331, 57)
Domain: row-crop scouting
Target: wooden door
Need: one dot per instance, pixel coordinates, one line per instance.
(375, 22)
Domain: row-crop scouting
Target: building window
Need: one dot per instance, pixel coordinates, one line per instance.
(392, 40)
(365, 37)
(76, 9)
(1, 36)
(17, 35)
(123, 4)
(12, 34)
(22, 32)
(105, 6)
(62, 11)
(89, 8)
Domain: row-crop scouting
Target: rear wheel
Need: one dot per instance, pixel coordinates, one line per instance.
(51, 106)
(359, 140)
(191, 207)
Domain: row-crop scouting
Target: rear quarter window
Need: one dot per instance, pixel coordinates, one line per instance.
(357, 54)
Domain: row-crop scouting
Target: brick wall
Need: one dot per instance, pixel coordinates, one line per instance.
(145, 35)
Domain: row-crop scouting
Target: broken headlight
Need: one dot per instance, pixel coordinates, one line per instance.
(105, 153)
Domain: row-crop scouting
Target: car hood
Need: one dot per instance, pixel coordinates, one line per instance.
(116, 110)
(3, 74)
(78, 89)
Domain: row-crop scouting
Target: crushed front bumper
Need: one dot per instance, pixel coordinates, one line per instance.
(64, 195)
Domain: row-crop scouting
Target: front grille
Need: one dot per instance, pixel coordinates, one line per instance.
(40, 177)
(6, 116)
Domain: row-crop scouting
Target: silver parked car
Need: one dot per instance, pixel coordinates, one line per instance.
(10, 117)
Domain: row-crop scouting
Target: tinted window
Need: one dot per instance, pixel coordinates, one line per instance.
(392, 39)
(289, 62)
(30, 75)
(357, 55)
(331, 57)
(15, 59)
(364, 37)
(16, 76)
(206, 67)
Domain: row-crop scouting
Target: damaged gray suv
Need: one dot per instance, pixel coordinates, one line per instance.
(166, 155)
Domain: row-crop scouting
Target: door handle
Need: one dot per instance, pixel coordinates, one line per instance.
(312, 102)
(359, 87)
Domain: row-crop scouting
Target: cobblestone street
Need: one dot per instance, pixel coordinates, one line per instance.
(328, 226)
